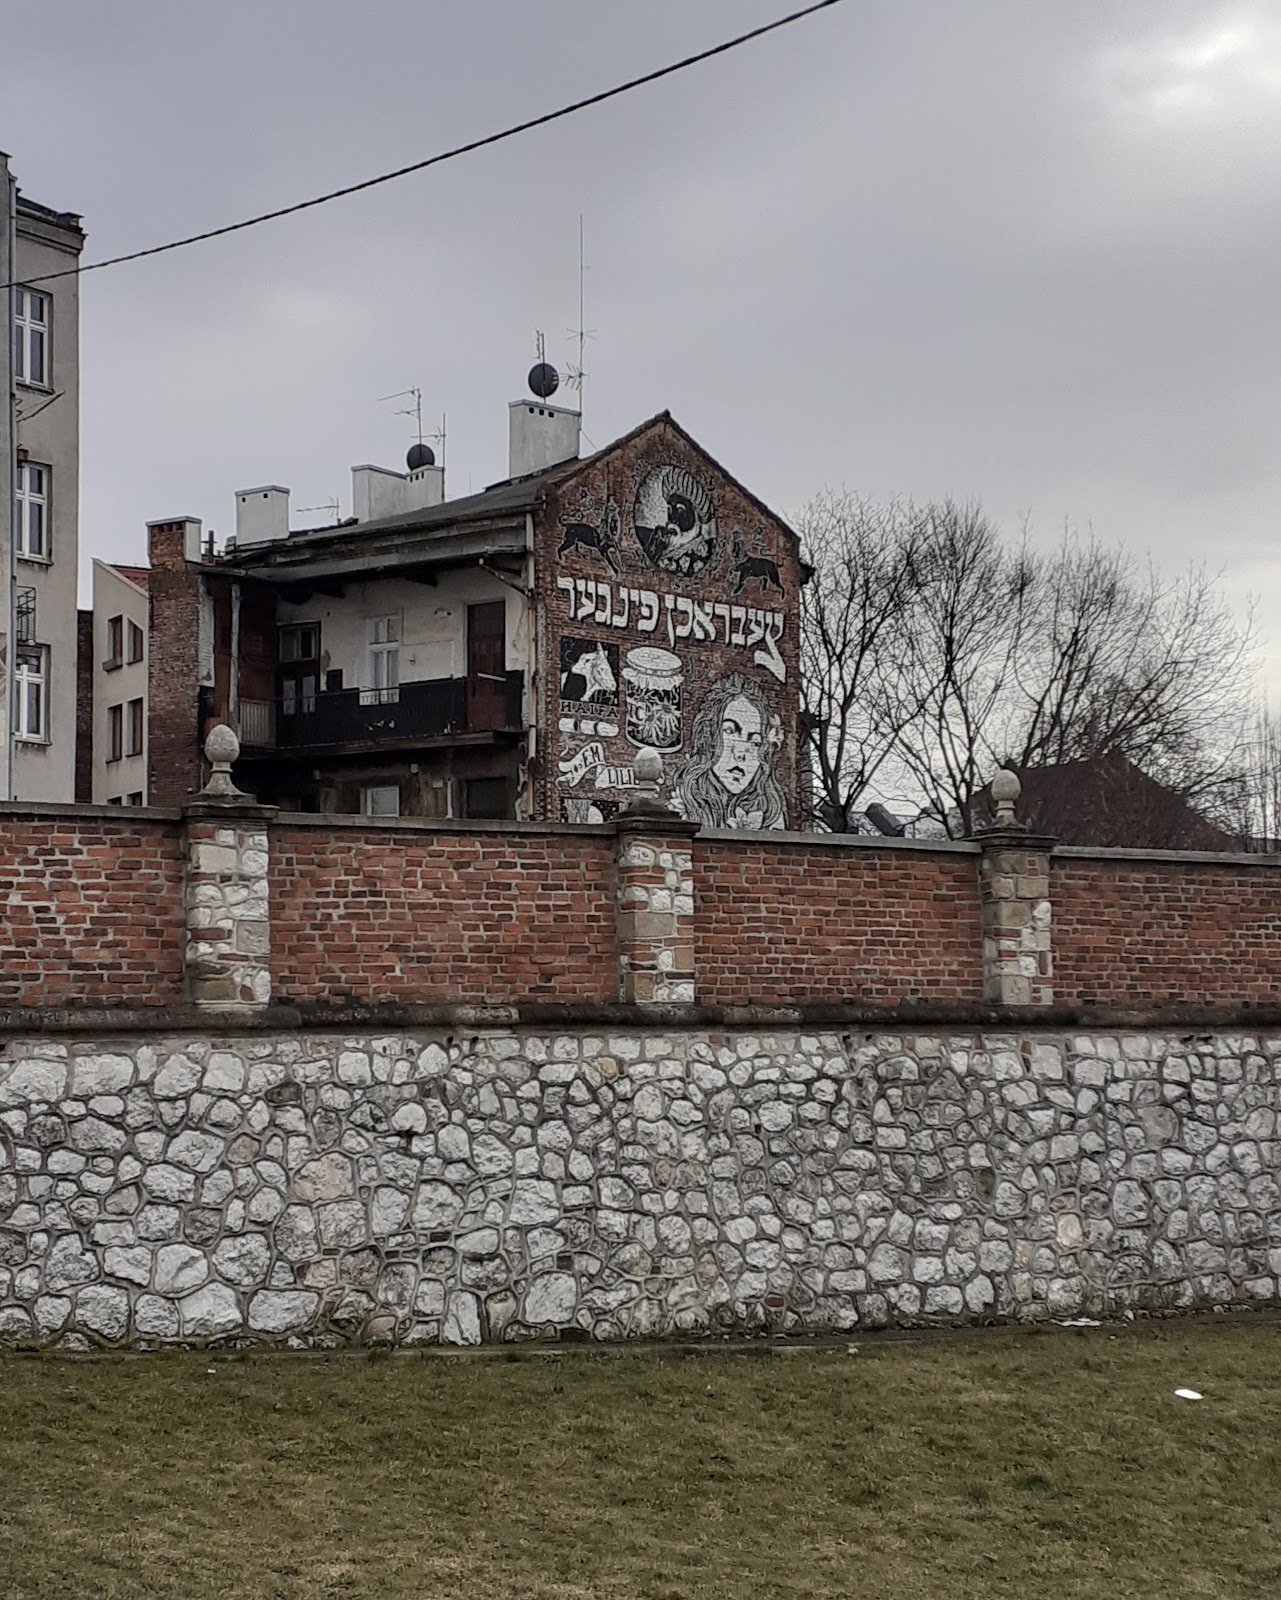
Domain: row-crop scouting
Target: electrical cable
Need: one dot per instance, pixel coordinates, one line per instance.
(445, 155)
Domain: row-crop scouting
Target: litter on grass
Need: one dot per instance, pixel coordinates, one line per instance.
(1187, 1394)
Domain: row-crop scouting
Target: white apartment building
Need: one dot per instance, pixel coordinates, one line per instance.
(118, 674)
(39, 493)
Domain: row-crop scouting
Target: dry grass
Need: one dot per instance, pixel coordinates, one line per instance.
(1018, 1465)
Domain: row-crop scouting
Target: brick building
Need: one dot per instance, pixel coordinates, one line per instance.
(500, 655)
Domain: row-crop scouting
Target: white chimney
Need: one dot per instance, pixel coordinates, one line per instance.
(262, 515)
(379, 492)
(539, 436)
(424, 486)
(376, 492)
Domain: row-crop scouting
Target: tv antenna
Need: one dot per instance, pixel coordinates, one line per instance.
(415, 394)
(415, 411)
(577, 374)
(331, 506)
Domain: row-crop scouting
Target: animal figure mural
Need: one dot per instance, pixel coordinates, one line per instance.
(748, 568)
(729, 779)
(589, 675)
(675, 521)
(596, 539)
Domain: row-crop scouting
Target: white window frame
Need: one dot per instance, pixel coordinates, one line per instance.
(376, 796)
(33, 504)
(383, 669)
(32, 672)
(31, 324)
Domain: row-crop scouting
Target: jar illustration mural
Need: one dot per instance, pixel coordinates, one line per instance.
(653, 679)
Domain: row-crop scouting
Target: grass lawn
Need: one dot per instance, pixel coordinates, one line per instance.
(1056, 1464)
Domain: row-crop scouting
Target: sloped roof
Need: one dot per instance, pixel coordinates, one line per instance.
(1108, 801)
(507, 498)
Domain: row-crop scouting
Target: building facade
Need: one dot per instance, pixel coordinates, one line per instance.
(503, 655)
(39, 495)
(117, 680)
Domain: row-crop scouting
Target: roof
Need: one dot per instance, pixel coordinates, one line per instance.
(138, 576)
(1109, 801)
(511, 496)
(447, 522)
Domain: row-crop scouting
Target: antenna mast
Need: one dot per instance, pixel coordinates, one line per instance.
(415, 411)
(577, 375)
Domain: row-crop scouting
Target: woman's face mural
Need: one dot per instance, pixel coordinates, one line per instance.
(729, 779)
(739, 759)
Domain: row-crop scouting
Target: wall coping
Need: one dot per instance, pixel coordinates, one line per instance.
(1210, 858)
(57, 811)
(619, 1016)
(338, 822)
(839, 841)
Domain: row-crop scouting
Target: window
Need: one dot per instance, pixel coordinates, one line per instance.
(31, 336)
(382, 801)
(300, 641)
(298, 675)
(116, 800)
(24, 615)
(115, 732)
(134, 799)
(135, 643)
(31, 690)
(33, 511)
(486, 797)
(115, 643)
(134, 746)
(384, 662)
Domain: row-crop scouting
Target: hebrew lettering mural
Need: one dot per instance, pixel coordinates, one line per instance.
(670, 615)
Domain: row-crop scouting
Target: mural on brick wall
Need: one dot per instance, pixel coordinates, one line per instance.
(674, 521)
(729, 780)
(678, 646)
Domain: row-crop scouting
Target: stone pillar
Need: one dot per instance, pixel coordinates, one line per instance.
(227, 952)
(654, 896)
(1014, 886)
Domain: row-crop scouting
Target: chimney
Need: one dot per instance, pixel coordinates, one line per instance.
(539, 436)
(379, 492)
(171, 526)
(262, 515)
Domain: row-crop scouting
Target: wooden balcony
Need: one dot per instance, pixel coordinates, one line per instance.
(437, 710)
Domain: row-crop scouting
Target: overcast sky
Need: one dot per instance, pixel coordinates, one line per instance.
(1025, 253)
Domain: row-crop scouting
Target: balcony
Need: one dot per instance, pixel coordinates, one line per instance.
(438, 709)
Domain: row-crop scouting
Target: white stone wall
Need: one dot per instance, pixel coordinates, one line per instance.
(510, 1184)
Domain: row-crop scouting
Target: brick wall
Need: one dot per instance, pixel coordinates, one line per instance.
(494, 917)
(91, 914)
(173, 669)
(785, 923)
(91, 911)
(1130, 932)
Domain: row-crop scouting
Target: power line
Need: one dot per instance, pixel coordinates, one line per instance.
(447, 155)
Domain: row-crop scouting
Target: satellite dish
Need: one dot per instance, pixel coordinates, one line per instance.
(420, 455)
(544, 380)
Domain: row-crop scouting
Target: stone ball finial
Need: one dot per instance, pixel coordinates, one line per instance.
(647, 777)
(647, 768)
(1005, 789)
(222, 747)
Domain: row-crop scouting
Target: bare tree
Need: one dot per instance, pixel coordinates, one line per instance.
(935, 651)
(868, 562)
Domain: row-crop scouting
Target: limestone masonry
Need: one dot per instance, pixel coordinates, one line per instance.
(421, 1187)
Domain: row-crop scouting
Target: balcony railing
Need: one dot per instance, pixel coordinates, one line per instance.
(258, 724)
(430, 710)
